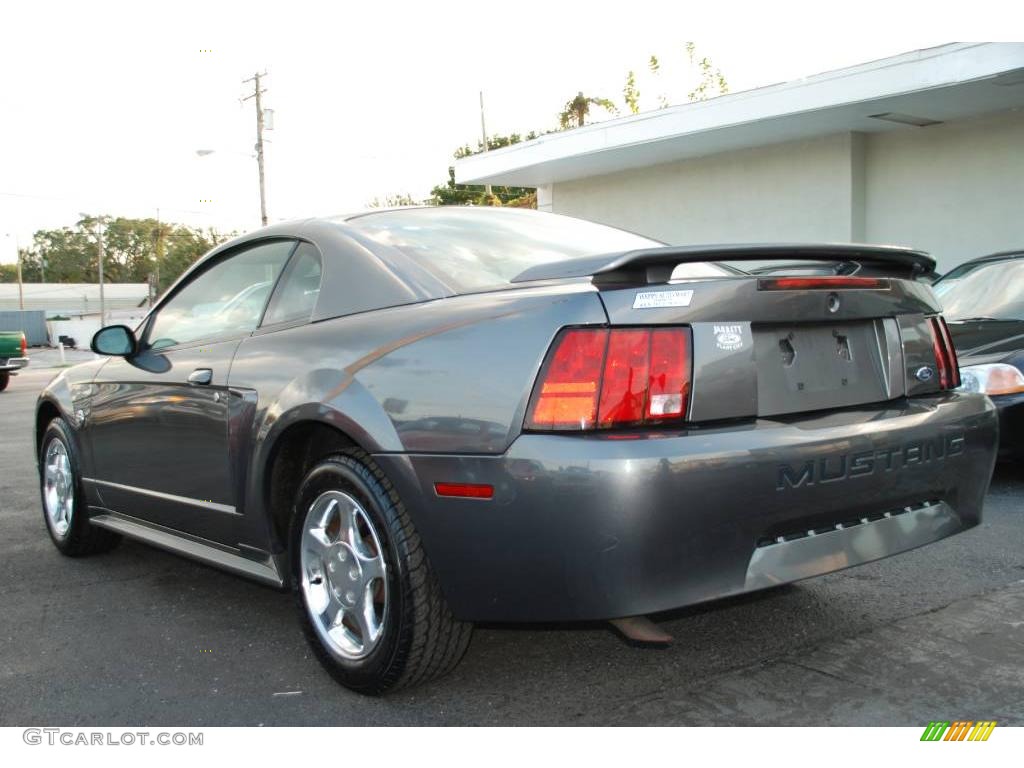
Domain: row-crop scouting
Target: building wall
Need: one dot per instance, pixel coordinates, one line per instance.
(956, 190)
(31, 322)
(72, 298)
(798, 190)
(83, 327)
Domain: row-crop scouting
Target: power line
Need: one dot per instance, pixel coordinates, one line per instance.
(94, 203)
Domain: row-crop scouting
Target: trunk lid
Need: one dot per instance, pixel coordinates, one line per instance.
(771, 345)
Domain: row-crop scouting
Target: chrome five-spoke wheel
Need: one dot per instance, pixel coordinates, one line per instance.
(58, 487)
(64, 509)
(372, 608)
(344, 575)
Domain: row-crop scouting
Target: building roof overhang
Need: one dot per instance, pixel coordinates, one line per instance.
(935, 85)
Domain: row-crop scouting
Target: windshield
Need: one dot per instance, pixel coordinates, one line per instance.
(987, 290)
(475, 249)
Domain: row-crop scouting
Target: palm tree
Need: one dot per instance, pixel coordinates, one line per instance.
(576, 111)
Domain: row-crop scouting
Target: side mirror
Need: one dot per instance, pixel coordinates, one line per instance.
(117, 340)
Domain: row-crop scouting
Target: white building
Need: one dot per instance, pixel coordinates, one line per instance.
(923, 149)
(73, 298)
(71, 310)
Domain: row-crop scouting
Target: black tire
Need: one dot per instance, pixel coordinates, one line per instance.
(420, 640)
(5, 378)
(80, 538)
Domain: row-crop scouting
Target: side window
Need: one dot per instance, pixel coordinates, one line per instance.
(298, 289)
(227, 298)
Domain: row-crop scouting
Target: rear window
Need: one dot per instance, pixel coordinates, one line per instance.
(474, 249)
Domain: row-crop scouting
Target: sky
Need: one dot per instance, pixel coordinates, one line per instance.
(105, 104)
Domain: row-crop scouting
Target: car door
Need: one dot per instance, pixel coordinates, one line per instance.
(158, 421)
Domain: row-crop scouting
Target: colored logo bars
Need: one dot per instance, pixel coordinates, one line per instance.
(959, 730)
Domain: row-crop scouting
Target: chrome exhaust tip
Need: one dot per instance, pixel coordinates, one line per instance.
(640, 629)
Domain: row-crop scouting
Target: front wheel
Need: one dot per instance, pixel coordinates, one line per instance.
(371, 607)
(63, 503)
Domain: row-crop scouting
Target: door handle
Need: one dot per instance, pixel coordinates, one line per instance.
(200, 376)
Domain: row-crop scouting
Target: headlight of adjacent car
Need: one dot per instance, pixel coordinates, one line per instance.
(992, 379)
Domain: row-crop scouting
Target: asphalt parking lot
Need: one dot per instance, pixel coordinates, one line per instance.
(139, 637)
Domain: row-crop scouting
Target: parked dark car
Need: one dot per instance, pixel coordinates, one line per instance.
(983, 301)
(448, 415)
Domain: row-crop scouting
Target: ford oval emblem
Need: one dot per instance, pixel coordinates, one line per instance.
(924, 373)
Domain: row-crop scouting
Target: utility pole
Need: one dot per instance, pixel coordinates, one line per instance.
(99, 244)
(21, 288)
(483, 131)
(159, 254)
(257, 94)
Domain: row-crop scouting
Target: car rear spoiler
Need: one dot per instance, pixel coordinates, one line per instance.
(655, 265)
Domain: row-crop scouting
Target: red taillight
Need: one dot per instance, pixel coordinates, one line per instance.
(670, 374)
(622, 377)
(567, 398)
(24, 345)
(624, 388)
(945, 354)
(821, 283)
(951, 351)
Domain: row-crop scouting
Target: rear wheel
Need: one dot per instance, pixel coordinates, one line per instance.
(5, 378)
(371, 606)
(63, 502)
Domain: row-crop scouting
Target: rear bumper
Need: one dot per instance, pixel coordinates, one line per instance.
(622, 524)
(13, 363)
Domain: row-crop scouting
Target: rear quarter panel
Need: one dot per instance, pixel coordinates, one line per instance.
(447, 376)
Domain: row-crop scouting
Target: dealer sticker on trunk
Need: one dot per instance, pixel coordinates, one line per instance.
(657, 299)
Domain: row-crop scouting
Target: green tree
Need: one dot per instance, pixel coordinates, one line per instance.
(577, 110)
(66, 252)
(131, 247)
(184, 245)
(529, 200)
(655, 66)
(631, 94)
(712, 82)
(451, 193)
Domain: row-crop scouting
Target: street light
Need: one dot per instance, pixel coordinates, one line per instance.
(99, 261)
(21, 290)
(208, 152)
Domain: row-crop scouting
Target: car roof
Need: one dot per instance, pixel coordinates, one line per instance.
(999, 256)
(470, 210)
(991, 258)
(389, 277)
(389, 209)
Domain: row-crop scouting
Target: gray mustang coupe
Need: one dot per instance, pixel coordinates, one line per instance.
(420, 418)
